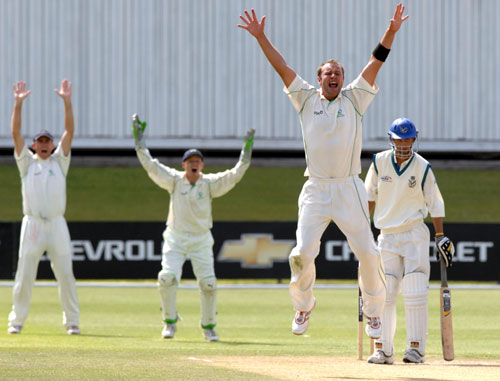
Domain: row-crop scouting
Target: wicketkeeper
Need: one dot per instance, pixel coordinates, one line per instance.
(188, 225)
(402, 190)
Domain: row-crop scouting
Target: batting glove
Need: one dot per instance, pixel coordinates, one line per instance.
(138, 128)
(445, 248)
(246, 151)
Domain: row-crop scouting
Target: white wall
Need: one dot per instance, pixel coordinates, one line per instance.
(198, 80)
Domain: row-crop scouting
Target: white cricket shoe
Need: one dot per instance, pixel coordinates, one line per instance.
(300, 321)
(373, 327)
(379, 357)
(169, 331)
(413, 356)
(73, 330)
(14, 329)
(210, 335)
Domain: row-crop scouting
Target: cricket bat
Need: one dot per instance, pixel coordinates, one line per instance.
(446, 322)
(360, 325)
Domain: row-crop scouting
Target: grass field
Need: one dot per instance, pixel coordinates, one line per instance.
(121, 338)
(121, 326)
(264, 194)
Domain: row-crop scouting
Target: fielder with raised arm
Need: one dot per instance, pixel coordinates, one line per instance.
(331, 127)
(188, 225)
(43, 178)
(402, 190)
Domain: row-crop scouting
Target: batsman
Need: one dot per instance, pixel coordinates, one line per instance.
(402, 190)
(188, 225)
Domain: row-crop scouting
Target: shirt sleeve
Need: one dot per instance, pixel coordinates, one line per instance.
(432, 196)
(165, 177)
(371, 182)
(222, 182)
(299, 92)
(62, 160)
(361, 94)
(24, 160)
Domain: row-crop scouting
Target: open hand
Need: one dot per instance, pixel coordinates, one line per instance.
(398, 19)
(65, 91)
(252, 24)
(20, 93)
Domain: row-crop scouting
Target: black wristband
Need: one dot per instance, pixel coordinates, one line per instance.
(381, 52)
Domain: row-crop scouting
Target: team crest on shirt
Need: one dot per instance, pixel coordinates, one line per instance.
(340, 114)
(387, 179)
(200, 195)
(412, 182)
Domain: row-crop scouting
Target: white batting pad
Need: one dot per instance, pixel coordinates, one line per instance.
(415, 292)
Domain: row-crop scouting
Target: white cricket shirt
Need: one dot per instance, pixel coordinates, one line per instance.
(332, 130)
(43, 183)
(403, 195)
(190, 209)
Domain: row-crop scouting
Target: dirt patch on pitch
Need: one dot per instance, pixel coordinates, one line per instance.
(335, 368)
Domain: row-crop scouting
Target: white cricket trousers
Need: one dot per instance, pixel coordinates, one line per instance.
(38, 236)
(197, 247)
(343, 201)
(407, 269)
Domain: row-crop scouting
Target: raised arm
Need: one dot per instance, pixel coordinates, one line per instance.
(20, 94)
(382, 50)
(256, 29)
(69, 122)
(162, 175)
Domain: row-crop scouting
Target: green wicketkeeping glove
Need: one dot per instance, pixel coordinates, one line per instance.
(246, 151)
(138, 128)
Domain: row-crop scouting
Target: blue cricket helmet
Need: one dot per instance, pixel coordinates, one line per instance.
(403, 128)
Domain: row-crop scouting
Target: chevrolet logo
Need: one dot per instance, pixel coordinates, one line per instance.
(256, 250)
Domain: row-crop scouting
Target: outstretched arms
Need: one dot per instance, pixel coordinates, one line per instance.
(69, 122)
(20, 94)
(371, 69)
(256, 29)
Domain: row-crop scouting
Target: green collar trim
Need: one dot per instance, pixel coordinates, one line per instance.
(396, 167)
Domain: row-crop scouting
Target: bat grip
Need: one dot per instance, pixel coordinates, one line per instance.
(444, 276)
(360, 306)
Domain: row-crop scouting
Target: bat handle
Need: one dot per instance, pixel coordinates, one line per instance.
(444, 276)
(360, 325)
